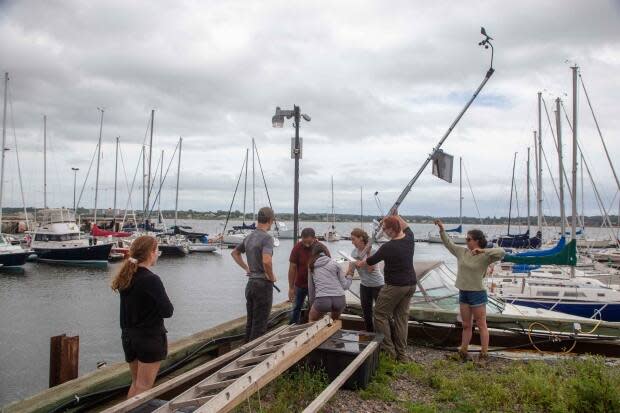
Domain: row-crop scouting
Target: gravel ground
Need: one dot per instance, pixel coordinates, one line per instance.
(350, 401)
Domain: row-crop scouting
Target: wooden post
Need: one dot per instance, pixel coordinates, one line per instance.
(64, 357)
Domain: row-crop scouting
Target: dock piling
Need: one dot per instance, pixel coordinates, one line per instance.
(64, 357)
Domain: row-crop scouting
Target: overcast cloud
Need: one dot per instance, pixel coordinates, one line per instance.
(382, 82)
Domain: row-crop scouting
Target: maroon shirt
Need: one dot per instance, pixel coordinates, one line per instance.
(300, 256)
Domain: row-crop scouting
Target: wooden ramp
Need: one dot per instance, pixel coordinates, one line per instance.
(239, 379)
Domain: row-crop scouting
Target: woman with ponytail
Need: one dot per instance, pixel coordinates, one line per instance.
(472, 262)
(144, 305)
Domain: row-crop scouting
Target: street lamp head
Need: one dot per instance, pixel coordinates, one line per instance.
(306, 117)
(75, 169)
(277, 121)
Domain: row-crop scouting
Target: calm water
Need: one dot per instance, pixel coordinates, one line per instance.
(206, 290)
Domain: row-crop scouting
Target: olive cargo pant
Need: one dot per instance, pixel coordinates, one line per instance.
(393, 303)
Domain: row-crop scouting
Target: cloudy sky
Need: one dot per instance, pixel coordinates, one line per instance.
(381, 81)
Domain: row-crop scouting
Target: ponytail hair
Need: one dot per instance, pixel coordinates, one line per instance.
(479, 237)
(139, 252)
(318, 249)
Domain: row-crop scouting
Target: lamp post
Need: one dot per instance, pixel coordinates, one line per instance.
(278, 122)
(74, 182)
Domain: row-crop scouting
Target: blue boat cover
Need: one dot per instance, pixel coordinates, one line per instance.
(458, 229)
(566, 256)
(543, 253)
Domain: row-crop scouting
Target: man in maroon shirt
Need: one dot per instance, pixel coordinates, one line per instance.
(298, 272)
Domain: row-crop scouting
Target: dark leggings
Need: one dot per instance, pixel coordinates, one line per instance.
(368, 295)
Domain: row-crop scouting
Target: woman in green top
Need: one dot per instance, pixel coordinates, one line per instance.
(473, 262)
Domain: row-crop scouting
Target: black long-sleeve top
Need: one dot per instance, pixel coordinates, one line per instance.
(145, 304)
(398, 257)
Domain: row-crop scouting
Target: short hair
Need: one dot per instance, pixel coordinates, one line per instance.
(479, 237)
(392, 223)
(360, 233)
(308, 233)
(265, 215)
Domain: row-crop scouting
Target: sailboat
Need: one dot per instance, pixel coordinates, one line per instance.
(10, 255)
(57, 237)
(577, 295)
(517, 240)
(455, 234)
(332, 235)
(237, 234)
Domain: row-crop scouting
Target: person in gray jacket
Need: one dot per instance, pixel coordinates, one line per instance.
(326, 285)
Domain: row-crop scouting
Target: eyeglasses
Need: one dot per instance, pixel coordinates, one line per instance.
(469, 239)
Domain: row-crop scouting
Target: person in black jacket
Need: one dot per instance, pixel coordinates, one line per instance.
(144, 305)
(400, 281)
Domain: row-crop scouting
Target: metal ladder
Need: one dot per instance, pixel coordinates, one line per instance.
(238, 380)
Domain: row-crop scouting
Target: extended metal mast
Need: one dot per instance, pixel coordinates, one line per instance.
(98, 161)
(486, 42)
(176, 201)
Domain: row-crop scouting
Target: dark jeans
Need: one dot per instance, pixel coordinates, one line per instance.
(259, 297)
(368, 295)
(300, 297)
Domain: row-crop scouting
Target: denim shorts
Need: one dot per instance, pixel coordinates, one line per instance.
(473, 298)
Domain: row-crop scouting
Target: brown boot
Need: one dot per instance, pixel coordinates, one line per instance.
(483, 359)
(460, 355)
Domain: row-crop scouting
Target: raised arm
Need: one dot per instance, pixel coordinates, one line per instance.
(447, 242)
(403, 224)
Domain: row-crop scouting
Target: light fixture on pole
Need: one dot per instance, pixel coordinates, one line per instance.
(278, 122)
(74, 182)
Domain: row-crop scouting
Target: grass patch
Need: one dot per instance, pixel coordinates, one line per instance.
(578, 385)
(290, 392)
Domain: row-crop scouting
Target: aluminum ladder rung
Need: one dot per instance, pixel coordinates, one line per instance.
(215, 386)
(199, 401)
(234, 372)
(252, 360)
(266, 350)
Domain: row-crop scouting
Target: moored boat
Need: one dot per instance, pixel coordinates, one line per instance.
(57, 239)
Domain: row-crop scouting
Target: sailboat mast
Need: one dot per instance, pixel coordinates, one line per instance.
(573, 230)
(176, 202)
(143, 182)
(583, 217)
(461, 193)
(528, 189)
(115, 176)
(148, 180)
(539, 166)
(161, 181)
(362, 207)
(44, 161)
(253, 184)
(512, 186)
(558, 125)
(333, 213)
(6, 86)
(98, 161)
(245, 185)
